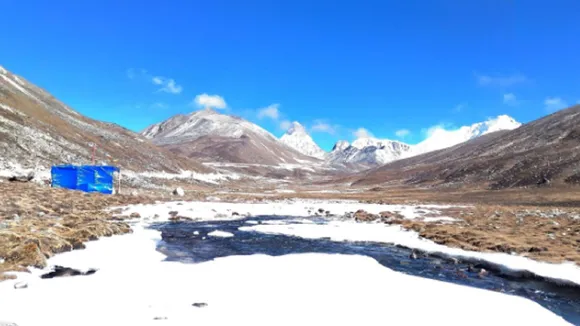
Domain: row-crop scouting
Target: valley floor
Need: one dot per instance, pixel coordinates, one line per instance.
(38, 224)
(134, 285)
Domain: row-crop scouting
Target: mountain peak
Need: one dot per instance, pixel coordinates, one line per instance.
(296, 127)
(297, 138)
(340, 146)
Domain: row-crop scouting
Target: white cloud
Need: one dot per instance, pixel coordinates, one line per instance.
(157, 80)
(362, 133)
(554, 104)
(321, 126)
(209, 101)
(285, 124)
(460, 107)
(269, 112)
(169, 85)
(501, 80)
(402, 133)
(510, 99)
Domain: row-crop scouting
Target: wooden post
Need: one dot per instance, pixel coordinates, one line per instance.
(119, 181)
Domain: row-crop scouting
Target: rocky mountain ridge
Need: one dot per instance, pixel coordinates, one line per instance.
(37, 129)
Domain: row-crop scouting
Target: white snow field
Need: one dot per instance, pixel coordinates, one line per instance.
(134, 286)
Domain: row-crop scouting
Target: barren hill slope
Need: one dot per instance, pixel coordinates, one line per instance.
(209, 136)
(38, 129)
(543, 151)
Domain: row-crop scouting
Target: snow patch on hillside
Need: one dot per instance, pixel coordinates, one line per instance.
(440, 137)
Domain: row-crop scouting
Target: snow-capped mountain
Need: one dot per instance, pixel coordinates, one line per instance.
(297, 138)
(373, 152)
(440, 138)
(214, 137)
(367, 151)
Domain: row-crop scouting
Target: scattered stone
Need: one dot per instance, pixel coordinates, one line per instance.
(178, 218)
(159, 318)
(199, 304)
(482, 273)
(135, 215)
(235, 214)
(173, 213)
(20, 285)
(60, 271)
(134, 193)
(179, 192)
(321, 210)
(22, 178)
(41, 214)
(413, 255)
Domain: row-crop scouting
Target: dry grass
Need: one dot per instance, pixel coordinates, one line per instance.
(551, 235)
(38, 222)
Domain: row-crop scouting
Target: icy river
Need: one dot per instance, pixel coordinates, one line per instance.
(223, 268)
(197, 242)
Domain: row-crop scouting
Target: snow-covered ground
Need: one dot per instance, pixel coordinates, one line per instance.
(9, 169)
(213, 178)
(353, 231)
(134, 286)
(290, 207)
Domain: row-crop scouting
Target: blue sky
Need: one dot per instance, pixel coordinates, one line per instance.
(394, 68)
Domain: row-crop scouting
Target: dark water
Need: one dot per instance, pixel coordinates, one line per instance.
(180, 243)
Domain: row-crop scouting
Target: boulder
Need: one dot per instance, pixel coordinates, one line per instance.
(22, 177)
(179, 192)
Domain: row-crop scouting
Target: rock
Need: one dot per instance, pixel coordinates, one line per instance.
(235, 214)
(178, 218)
(199, 304)
(179, 192)
(21, 177)
(413, 255)
(20, 285)
(134, 193)
(41, 214)
(173, 213)
(60, 271)
(160, 318)
(482, 273)
(390, 217)
(135, 215)
(321, 210)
